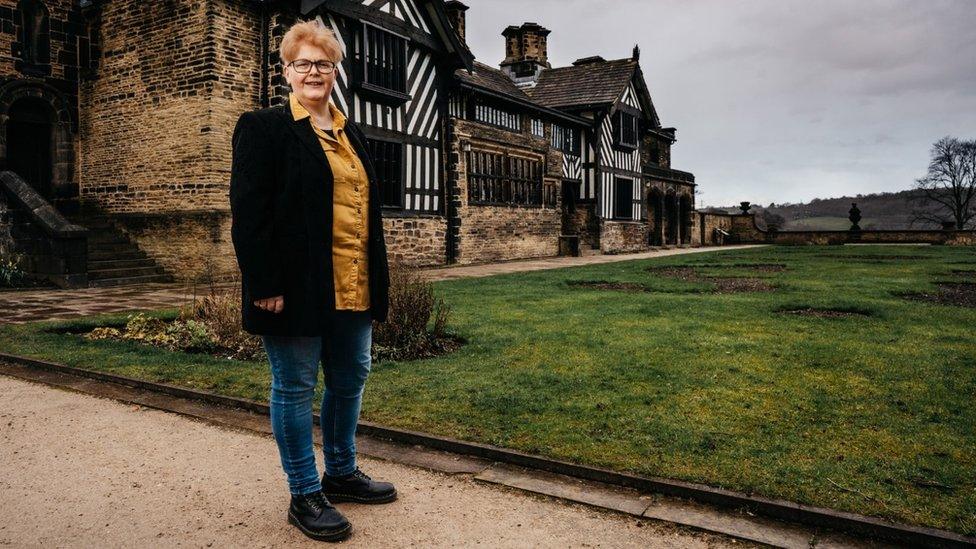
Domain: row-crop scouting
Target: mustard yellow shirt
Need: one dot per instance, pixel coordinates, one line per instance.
(350, 207)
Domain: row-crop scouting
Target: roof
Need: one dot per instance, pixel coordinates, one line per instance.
(490, 78)
(596, 82)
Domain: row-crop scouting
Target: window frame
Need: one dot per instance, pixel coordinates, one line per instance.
(537, 123)
(629, 184)
(560, 142)
(382, 172)
(501, 179)
(478, 107)
(620, 126)
(368, 70)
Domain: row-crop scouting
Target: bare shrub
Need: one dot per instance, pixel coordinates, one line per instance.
(404, 335)
(220, 311)
(211, 323)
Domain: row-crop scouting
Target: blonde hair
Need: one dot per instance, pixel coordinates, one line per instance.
(309, 32)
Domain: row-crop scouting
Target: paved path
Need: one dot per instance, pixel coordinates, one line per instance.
(519, 265)
(80, 471)
(51, 304)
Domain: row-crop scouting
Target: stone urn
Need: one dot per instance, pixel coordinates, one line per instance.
(744, 206)
(855, 216)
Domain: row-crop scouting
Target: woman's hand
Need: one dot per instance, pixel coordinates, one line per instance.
(272, 304)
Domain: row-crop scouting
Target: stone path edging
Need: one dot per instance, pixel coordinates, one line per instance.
(778, 509)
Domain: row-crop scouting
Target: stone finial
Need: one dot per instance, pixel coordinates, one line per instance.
(744, 206)
(855, 216)
(636, 54)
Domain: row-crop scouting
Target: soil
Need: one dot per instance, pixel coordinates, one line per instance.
(604, 285)
(874, 257)
(959, 294)
(723, 284)
(758, 267)
(824, 313)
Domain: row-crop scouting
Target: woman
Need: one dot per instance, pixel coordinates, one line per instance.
(308, 235)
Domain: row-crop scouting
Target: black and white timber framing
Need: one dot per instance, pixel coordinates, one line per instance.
(406, 73)
(400, 56)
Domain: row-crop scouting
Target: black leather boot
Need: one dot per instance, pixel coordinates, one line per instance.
(317, 518)
(358, 487)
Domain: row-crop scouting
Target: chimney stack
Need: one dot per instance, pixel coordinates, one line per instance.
(455, 14)
(526, 54)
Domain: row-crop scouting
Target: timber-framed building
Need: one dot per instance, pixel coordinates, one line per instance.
(116, 118)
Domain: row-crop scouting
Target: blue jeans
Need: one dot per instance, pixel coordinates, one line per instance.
(345, 355)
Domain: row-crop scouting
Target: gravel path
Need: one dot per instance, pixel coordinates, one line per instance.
(83, 471)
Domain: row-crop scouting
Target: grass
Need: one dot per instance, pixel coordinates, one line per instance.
(871, 413)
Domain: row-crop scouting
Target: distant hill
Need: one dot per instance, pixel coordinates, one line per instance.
(878, 211)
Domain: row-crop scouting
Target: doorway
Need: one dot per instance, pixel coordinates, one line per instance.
(30, 131)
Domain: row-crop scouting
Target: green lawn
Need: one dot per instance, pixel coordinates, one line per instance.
(871, 414)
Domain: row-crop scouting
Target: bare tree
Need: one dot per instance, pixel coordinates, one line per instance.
(948, 190)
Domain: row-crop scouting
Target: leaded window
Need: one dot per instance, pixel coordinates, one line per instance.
(565, 139)
(387, 157)
(500, 179)
(497, 117)
(625, 129)
(538, 127)
(623, 198)
(382, 64)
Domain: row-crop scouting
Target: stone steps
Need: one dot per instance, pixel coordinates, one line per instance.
(121, 263)
(95, 275)
(114, 260)
(121, 281)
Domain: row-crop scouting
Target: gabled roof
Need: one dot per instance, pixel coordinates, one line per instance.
(441, 27)
(491, 79)
(595, 82)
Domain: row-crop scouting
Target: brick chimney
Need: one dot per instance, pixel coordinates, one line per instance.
(525, 53)
(455, 14)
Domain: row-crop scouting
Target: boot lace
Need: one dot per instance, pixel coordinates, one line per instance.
(317, 502)
(359, 474)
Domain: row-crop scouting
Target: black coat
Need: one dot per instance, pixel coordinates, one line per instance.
(281, 205)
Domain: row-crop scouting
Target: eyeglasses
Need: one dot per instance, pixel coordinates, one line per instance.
(304, 66)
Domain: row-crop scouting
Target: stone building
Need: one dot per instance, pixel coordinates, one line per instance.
(116, 118)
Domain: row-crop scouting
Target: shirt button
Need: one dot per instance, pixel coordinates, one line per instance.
(355, 261)
(357, 189)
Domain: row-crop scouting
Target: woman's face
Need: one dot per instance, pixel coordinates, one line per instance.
(311, 87)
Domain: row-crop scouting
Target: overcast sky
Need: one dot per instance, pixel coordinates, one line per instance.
(777, 100)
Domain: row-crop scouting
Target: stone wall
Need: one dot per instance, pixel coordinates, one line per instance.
(623, 236)
(709, 223)
(416, 241)
(489, 233)
(745, 230)
(157, 117)
(192, 246)
(66, 24)
(585, 223)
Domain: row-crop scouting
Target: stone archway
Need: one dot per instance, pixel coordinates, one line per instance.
(29, 130)
(36, 139)
(655, 211)
(671, 218)
(685, 208)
